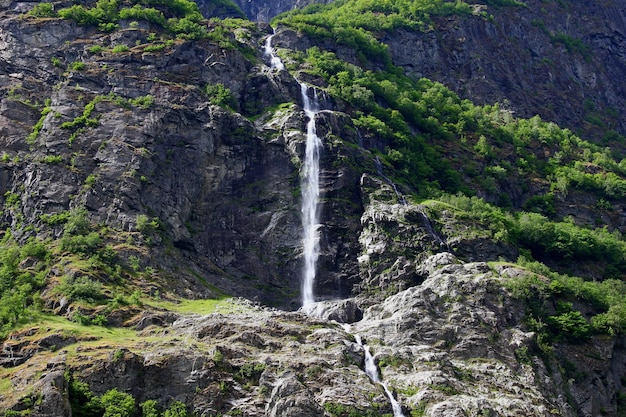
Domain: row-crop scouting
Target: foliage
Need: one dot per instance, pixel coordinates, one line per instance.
(143, 101)
(565, 240)
(340, 410)
(572, 45)
(550, 299)
(149, 408)
(219, 95)
(121, 48)
(82, 401)
(177, 409)
(179, 17)
(77, 66)
(138, 12)
(147, 225)
(117, 404)
(355, 23)
(80, 288)
(84, 120)
(42, 10)
(32, 137)
(18, 285)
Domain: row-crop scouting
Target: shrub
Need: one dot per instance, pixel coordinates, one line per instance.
(86, 244)
(79, 14)
(146, 225)
(82, 401)
(96, 49)
(143, 101)
(78, 66)
(177, 409)
(570, 325)
(43, 10)
(149, 408)
(81, 288)
(154, 48)
(187, 28)
(143, 13)
(117, 404)
(76, 222)
(219, 95)
(118, 49)
(52, 159)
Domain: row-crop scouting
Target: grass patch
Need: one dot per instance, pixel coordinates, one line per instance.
(220, 305)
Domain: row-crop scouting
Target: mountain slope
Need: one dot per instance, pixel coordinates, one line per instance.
(151, 169)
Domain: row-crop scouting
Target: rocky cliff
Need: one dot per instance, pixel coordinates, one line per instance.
(162, 176)
(561, 60)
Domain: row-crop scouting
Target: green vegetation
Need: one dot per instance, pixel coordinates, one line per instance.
(42, 10)
(219, 95)
(551, 296)
(119, 49)
(341, 410)
(77, 66)
(37, 128)
(181, 18)
(19, 286)
(572, 45)
(355, 23)
(115, 403)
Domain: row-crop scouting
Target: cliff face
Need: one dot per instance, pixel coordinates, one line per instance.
(265, 10)
(561, 60)
(186, 157)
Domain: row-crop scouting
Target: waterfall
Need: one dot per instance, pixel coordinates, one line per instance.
(309, 182)
(310, 196)
(275, 61)
(371, 370)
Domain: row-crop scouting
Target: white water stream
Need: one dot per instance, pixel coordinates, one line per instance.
(275, 61)
(310, 186)
(309, 182)
(372, 372)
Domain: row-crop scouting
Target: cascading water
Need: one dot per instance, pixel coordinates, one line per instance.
(372, 372)
(275, 61)
(309, 183)
(310, 196)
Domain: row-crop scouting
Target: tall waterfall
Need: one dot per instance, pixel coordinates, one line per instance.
(310, 196)
(309, 182)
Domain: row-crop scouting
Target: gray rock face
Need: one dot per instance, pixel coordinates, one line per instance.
(564, 62)
(265, 10)
(220, 184)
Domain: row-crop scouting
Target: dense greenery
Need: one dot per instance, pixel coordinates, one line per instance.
(94, 270)
(355, 23)
(20, 285)
(181, 18)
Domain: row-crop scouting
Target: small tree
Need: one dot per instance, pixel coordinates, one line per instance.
(117, 404)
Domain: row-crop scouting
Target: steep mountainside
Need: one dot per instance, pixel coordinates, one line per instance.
(561, 60)
(152, 172)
